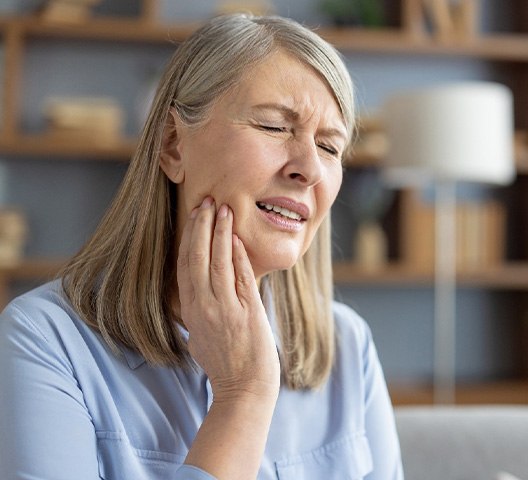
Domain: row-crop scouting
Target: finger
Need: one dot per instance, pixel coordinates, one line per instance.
(200, 247)
(222, 270)
(245, 283)
(185, 289)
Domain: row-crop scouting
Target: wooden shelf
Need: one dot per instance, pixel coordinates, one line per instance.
(100, 28)
(501, 47)
(499, 392)
(509, 276)
(362, 159)
(32, 269)
(42, 145)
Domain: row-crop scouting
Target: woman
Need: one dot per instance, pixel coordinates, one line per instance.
(194, 336)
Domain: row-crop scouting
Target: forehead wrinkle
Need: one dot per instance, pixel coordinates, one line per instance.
(284, 109)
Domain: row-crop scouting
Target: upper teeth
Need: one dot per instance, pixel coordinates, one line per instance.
(281, 210)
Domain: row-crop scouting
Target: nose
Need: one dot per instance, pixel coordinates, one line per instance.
(304, 164)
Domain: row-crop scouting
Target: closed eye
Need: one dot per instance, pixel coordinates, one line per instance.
(269, 128)
(328, 149)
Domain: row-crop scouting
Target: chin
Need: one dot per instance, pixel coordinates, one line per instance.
(272, 263)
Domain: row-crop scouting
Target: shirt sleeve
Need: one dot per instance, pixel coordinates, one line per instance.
(188, 472)
(47, 431)
(379, 419)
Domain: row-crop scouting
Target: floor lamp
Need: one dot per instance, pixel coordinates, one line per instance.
(440, 136)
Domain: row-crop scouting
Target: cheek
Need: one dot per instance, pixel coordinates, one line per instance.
(329, 190)
(208, 172)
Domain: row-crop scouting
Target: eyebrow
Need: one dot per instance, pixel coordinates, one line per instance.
(293, 115)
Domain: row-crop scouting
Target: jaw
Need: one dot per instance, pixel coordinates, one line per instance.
(272, 253)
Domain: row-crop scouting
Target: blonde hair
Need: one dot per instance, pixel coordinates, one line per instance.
(121, 280)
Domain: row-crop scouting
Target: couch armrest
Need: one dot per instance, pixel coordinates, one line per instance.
(462, 442)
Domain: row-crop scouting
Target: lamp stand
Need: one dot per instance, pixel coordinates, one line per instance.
(444, 379)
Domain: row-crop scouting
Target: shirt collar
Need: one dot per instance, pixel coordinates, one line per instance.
(135, 359)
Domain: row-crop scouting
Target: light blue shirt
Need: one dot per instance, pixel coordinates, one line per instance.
(71, 408)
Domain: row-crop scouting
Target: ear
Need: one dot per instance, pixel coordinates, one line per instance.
(170, 157)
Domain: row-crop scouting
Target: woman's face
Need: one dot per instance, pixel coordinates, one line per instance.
(271, 150)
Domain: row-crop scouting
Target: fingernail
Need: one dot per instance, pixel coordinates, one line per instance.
(208, 201)
(222, 212)
(194, 212)
(236, 240)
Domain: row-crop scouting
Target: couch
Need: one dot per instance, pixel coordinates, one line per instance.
(463, 442)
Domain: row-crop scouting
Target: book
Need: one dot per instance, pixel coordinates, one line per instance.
(480, 229)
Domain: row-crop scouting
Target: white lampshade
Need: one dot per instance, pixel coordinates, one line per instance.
(461, 131)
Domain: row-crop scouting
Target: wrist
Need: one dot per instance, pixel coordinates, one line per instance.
(244, 411)
(251, 392)
(233, 435)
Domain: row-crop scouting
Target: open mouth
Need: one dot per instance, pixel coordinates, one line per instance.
(284, 212)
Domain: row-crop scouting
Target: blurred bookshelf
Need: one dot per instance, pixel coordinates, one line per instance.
(513, 392)
(411, 267)
(506, 276)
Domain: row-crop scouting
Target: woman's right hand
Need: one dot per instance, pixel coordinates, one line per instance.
(229, 333)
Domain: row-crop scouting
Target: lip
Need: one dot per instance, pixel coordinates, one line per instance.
(285, 202)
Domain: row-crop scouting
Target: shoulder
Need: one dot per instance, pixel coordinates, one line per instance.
(354, 342)
(349, 325)
(48, 299)
(42, 312)
(40, 328)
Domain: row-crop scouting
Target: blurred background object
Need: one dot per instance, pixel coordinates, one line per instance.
(90, 119)
(67, 11)
(19, 6)
(13, 236)
(366, 13)
(255, 7)
(443, 135)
